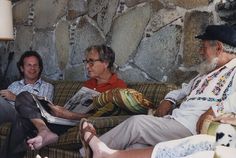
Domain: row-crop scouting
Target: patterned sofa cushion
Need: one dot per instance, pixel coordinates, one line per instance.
(209, 126)
(126, 99)
(5, 129)
(154, 92)
(64, 90)
(71, 140)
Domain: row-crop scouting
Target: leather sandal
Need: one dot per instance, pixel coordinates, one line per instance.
(85, 143)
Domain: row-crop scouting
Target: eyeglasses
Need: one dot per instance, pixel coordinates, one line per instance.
(90, 61)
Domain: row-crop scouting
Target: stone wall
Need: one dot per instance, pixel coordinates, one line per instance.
(151, 38)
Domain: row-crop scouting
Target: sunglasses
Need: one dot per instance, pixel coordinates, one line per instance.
(91, 62)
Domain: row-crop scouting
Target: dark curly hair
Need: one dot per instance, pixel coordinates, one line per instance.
(26, 54)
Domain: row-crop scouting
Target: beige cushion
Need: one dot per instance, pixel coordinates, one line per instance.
(224, 152)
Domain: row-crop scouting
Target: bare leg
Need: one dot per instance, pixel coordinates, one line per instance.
(101, 150)
(45, 135)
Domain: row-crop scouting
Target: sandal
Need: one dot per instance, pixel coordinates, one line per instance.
(85, 143)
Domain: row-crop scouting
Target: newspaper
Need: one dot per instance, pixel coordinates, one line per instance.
(81, 102)
(42, 104)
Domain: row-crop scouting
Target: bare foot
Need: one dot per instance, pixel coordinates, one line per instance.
(43, 138)
(100, 150)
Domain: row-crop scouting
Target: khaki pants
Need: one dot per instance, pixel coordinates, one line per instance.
(142, 131)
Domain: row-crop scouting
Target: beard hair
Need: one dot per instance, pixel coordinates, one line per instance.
(204, 67)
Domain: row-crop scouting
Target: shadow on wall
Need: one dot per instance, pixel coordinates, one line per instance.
(4, 80)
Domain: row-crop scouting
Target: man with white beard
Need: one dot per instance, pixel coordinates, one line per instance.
(214, 85)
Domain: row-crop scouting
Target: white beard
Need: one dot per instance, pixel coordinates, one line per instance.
(203, 68)
(206, 67)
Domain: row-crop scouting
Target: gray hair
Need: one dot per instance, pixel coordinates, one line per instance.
(227, 48)
(105, 53)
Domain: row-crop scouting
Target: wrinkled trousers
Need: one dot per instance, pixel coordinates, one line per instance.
(22, 128)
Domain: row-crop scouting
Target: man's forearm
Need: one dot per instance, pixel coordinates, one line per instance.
(202, 118)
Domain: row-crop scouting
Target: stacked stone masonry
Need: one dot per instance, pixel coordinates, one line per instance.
(151, 38)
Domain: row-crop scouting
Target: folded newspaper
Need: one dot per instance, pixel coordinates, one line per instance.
(81, 102)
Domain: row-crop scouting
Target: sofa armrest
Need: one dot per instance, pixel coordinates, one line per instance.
(71, 139)
(210, 127)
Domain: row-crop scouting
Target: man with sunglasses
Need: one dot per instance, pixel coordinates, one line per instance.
(211, 92)
(99, 63)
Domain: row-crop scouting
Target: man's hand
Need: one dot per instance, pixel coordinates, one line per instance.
(62, 112)
(57, 110)
(8, 95)
(202, 118)
(164, 108)
(227, 118)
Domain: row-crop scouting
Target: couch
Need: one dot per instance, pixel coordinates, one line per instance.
(69, 143)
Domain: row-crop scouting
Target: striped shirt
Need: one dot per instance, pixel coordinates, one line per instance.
(39, 88)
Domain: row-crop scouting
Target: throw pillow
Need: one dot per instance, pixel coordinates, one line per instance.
(210, 126)
(122, 100)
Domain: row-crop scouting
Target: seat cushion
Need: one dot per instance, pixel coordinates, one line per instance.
(71, 139)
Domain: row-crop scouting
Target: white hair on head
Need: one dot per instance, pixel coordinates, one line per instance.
(226, 48)
(229, 49)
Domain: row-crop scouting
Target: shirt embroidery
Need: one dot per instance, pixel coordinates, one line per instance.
(222, 81)
(196, 84)
(207, 81)
(205, 99)
(210, 99)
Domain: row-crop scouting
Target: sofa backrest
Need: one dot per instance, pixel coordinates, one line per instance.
(155, 92)
(64, 90)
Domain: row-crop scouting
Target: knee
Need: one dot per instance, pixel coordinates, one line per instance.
(24, 98)
(23, 95)
(135, 120)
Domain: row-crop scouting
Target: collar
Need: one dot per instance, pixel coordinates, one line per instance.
(231, 63)
(39, 81)
(112, 80)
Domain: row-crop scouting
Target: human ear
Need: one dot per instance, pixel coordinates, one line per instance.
(106, 64)
(21, 69)
(219, 47)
